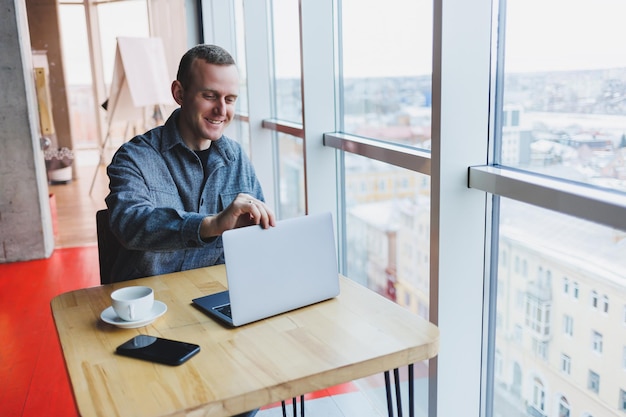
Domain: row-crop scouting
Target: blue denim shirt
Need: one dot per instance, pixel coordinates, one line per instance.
(158, 199)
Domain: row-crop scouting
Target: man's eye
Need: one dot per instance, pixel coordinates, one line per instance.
(209, 96)
(231, 99)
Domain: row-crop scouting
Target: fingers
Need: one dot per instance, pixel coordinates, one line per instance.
(260, 213)
(245, 210)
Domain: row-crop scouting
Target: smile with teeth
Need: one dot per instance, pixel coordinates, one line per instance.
(215, 122)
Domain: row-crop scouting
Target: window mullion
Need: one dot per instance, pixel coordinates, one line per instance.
(317, 34)
(459, 227)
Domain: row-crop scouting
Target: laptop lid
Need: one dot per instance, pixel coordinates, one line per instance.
(275, 270)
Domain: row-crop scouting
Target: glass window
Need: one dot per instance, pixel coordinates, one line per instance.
(240, 124)
(74, 41)
(127, 18)
(240, 58)
(566, 364)
(77, 67)
(291, 166)
(596, 342)
(388, 233)
(593, 382)
(594, 299)
(387, 67)
(386, 94)
(537, 314)
(287, 68)
(622, 400)
(538, 399)
(288, 105)
(558, 243)
(568, 325)
(568, 88)
(388, 241)
(239, 130)
(563, 407)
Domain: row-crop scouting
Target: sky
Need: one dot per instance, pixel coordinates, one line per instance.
(565, 34)
(542, 35)
(379, 40)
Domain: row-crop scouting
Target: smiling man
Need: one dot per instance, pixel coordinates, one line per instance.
(177, 187)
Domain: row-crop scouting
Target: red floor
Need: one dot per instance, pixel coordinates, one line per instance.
(33, 379)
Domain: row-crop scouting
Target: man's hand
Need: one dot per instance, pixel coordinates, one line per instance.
(245, 210)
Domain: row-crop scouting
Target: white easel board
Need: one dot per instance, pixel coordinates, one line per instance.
(140, 78)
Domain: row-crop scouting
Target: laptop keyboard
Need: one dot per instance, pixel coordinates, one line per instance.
(224, 309)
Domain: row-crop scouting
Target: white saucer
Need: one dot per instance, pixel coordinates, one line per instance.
(108, 315)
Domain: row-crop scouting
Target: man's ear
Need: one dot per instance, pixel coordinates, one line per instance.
(177, 92)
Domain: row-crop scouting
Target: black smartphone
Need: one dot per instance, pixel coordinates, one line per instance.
(156, 349)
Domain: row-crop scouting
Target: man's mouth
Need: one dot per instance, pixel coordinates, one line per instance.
(215, 122)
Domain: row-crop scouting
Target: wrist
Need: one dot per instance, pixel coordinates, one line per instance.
(208, 228)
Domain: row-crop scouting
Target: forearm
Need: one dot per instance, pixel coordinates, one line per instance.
(156, 229)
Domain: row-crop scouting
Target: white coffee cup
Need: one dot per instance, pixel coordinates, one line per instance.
(133, 303)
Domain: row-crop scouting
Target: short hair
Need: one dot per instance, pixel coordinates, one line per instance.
(211, 54)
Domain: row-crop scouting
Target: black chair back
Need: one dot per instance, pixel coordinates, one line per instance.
(108, 246)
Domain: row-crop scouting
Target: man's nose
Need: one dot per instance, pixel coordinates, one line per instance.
(220, 107)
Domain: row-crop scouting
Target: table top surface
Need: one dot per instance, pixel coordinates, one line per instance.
(357, 334)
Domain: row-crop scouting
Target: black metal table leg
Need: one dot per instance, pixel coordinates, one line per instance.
(398, 393)
(388, 392)
(294, 407)
(411, 391)
(396, 380)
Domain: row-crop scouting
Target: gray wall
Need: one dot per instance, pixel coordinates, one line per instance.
(25, 221)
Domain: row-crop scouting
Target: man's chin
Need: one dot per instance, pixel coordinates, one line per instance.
(213, 136)
(214, 133)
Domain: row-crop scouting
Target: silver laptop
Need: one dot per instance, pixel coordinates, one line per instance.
(275, 270)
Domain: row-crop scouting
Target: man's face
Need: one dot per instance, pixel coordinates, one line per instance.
(207, 104)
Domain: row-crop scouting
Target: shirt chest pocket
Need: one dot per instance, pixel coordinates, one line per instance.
(166, 198)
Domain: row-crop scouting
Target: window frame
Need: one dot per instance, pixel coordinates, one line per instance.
(563, 405)
(568, 325)
(538, 398)
(593, 382)
(463, 173)
(597, 343)
(566, 364)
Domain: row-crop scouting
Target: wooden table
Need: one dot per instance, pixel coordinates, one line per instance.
(357, 334)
